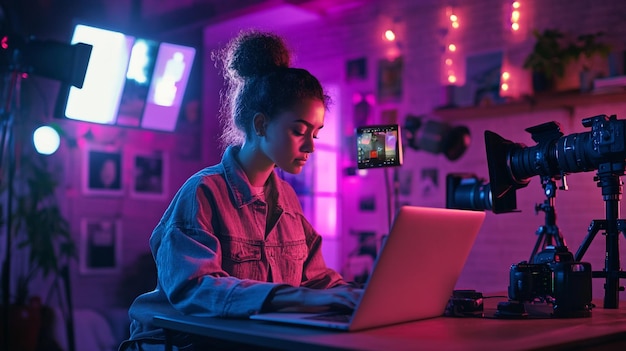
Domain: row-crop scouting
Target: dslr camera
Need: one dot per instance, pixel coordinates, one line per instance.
(553, 277)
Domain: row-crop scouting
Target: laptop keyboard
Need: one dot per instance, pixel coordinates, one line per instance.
(333, 317)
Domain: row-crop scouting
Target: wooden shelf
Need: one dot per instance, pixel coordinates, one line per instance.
(567, 100)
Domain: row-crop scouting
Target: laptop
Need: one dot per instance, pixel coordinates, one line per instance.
(414, 274)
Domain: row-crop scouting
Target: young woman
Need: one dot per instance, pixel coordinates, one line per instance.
(234, 240)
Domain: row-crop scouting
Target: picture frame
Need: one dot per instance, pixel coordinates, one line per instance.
(100, 247)
(103, 172)
(356, 69)
(150, 175)
(362, 111)
(482, 83)
(390, 80)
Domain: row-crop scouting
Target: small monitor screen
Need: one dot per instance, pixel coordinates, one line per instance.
(378, 146)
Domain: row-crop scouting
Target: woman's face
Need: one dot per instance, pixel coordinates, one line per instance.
(288, 139)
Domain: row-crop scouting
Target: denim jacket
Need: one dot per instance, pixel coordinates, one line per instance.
(214, 255)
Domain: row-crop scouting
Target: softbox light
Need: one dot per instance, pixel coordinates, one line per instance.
(436, 137)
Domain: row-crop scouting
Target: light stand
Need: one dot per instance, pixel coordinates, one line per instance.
(11, 83)
(611, 184)
(549, 233)
(50, 59)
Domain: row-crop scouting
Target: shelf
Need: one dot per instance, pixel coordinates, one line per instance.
(567, 100)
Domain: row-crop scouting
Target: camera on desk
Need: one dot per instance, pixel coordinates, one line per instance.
(553, 277)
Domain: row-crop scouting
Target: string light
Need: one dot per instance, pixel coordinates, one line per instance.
(515, 15)
(451, 69)
(504, 81)
(454, 20)
(389, 35)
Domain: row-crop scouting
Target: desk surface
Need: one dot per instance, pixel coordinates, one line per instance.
(606, 327)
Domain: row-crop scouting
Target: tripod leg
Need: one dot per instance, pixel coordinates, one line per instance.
(558, 238)
(541, 232)
(594, 227)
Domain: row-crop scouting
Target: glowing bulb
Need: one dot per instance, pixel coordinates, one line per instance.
(515, 26)
(451, 79)
(46, 140)
(452, 47)
(516, 4)
(390, 35)
(506, 75)
(515, 16)
(453, 18)
(448, 62)
(455, 25)
(504, 87)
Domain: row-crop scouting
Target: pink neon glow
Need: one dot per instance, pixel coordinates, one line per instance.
(325, 172)
(172, 70)
(326, 215)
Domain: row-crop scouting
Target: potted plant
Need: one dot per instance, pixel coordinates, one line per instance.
(42, 244)
(549, 58)
(555, 57)
(590, 48)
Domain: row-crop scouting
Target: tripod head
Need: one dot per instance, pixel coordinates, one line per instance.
(549, 234)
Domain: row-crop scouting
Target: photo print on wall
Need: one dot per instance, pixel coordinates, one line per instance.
(390, 80)
(102, 172)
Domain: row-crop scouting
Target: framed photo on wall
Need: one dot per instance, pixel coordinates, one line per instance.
(356, 69)
(100, 245)
(102, 172)
(150, 175)
(390, 80)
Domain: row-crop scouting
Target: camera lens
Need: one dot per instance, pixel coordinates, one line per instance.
(556, 154)
(468, 193)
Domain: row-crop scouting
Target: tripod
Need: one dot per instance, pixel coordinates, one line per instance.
(611, 185)
(549, 233)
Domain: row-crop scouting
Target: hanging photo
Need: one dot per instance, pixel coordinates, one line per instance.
(100, 245)
(150, 175)
(102, 172)
(390, 80)
(356, 69)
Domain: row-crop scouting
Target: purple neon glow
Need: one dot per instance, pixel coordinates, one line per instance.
(167, 89)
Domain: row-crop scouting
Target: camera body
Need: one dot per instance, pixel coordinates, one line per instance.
(555, 277)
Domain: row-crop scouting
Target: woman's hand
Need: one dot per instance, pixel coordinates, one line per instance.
(315, 300)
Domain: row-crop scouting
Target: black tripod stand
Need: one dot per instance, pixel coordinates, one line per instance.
(611, 184)
(549, 234)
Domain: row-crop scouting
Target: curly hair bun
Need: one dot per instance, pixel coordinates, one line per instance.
(255, 53)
